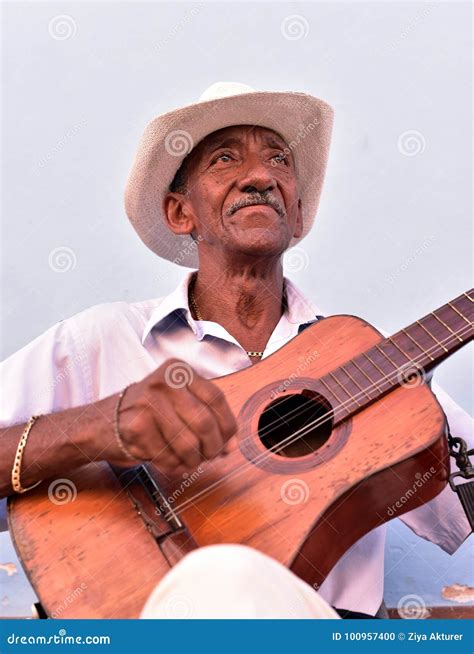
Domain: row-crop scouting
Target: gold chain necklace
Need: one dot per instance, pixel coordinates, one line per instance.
(197, 313)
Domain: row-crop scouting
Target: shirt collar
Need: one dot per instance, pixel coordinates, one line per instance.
(299, 310)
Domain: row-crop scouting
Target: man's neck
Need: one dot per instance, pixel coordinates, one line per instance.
(247, 300)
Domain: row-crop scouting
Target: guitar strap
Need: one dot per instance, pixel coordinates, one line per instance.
(458, 450)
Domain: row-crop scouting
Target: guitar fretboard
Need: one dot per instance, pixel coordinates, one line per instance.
(403, 358)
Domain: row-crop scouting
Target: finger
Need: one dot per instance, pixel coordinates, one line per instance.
(214, 398)
(182, 441)
(202, 422)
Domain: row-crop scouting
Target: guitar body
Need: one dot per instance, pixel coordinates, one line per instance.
(101, 555)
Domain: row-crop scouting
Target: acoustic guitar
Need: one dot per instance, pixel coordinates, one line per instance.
(339, 432)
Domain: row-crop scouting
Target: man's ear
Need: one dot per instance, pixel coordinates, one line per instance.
(299, 220)
(178, 213)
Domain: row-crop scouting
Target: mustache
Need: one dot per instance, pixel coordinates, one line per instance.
(254, 199)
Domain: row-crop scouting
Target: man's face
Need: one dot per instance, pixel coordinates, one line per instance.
(242, 193)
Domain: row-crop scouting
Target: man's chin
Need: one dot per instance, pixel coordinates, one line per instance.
(261, 248)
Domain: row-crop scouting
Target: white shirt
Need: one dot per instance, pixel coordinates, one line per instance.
(100, 350)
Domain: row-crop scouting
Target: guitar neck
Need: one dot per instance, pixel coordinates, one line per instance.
(402, 359)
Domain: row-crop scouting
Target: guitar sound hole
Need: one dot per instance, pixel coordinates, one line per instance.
(296, 425)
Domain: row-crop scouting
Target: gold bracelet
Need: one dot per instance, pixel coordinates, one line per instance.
(17, 487)
(118, 437)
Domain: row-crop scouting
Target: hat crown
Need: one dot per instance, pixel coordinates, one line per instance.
(223, 90)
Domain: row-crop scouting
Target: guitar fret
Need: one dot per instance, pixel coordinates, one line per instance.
(468, 297)
(396, 366)
(399, 348)
(417, 344)
(374, 364)
(374, 383)
(459, 313)
(344, 388)
(430, 334)
(330, 391)
(447, 326)
(354, 381)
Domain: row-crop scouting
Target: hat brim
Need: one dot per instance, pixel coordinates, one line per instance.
(303, 121)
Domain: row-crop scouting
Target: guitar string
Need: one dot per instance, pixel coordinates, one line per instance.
(300, 409)
(297, 435)
(307, 428)
(297, 411)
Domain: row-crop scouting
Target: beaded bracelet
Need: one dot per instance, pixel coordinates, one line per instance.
(16, 484)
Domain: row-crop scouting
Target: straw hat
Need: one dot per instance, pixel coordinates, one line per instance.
(303, 121)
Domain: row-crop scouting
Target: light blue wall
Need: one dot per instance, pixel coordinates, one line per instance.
(393, 237)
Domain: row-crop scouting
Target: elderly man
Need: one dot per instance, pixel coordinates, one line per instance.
(225, 185)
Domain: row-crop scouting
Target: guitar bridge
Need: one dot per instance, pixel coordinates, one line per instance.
(149, 501)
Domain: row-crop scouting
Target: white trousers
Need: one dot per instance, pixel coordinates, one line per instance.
(233, 581)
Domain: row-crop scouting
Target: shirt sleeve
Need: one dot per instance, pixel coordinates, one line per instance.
(49, 374)
(442, 520)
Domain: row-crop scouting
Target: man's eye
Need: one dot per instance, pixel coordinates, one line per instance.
(281, 158)
(223, 154)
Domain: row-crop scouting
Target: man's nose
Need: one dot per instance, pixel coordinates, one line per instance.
(257, 179)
